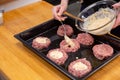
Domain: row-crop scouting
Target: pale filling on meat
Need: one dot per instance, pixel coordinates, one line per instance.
(79, 66)
(41, 40)
(69, 41)
(56, 54)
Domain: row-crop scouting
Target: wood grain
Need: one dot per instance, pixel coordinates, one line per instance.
(20, 63)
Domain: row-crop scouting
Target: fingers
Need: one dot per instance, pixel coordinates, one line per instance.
(117, 5)
(55, 11)
(58, 11)
(61, 18)
(117, 22)
(62, 10)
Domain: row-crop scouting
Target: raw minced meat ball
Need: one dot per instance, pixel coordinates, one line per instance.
(58, 56)
(79, 67)
(102, 51)
(41, 42)
(68, 28)
(85, 39)
(68, 48)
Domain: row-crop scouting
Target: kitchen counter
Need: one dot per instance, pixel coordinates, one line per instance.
(19, 63)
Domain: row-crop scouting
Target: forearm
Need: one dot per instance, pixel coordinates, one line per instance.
(64, 2)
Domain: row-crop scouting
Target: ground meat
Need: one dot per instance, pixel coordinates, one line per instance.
(85, 39)
(67, 48)
(58, 56)
(41, 42)
(102, 51)
(79, 67)
(69, 30)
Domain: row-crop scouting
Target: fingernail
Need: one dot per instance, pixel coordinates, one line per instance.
(58, 14)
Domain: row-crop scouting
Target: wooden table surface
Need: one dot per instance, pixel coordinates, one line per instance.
(19, 63)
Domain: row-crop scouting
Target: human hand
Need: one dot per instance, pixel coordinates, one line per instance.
(117, 22)
(58, 11)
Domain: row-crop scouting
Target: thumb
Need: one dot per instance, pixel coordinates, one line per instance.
(61, 11)
(117, 5)
(116, 23)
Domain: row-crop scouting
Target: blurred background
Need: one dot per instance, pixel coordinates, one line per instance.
(8, 5)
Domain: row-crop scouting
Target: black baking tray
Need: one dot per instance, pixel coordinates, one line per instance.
(115, 32)
(49, 29)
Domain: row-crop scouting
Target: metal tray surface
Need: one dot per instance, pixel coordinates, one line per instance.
(115, 32)
(49, 29)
